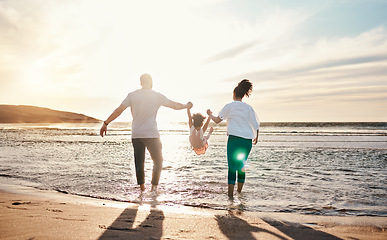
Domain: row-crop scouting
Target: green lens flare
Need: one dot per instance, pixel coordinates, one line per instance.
(241, 156)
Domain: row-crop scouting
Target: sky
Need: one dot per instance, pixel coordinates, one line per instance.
(313, 61)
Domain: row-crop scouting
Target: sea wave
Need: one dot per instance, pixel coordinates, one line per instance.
(303, 169)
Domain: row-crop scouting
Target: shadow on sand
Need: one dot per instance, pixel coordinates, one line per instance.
(298, 231)
(122, 227)
(235, 228)
(232, 226)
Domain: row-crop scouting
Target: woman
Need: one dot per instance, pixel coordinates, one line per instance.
(242, 131)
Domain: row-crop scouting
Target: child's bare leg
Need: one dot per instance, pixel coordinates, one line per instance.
(209, 133)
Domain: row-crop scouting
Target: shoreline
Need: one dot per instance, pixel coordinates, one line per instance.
(40, 214)
(24, 187)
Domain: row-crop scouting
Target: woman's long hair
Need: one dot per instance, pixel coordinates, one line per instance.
(244, 88)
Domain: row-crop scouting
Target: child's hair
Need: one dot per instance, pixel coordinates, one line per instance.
(198, 119)
(244, 88)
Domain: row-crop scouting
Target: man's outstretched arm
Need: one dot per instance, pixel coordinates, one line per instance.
(178, 106)
(112, 116)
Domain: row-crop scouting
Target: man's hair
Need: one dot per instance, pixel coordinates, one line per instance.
(198, 119)
(146, 78)
(244, 88)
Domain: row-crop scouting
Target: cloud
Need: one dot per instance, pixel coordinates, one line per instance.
(343, 93)
(43, 45)
(316, 58)
(329, 79)
(24, 29)
(317, 70)
(24, 37)
(341, 62)
(63, 49)
(233, 52)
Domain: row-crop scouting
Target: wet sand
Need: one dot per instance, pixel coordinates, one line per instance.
(27, 213)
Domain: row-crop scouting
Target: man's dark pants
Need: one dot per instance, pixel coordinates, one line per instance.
(154, 147)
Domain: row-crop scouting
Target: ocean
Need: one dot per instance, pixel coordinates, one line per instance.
(309, 168)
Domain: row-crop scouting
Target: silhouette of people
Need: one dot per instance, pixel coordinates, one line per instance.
(123, 227)
(144, 104)
(236, 228)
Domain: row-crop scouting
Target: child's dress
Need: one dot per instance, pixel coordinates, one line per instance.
(198, 141)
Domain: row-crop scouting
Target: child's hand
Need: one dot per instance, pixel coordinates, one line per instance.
(209, 112)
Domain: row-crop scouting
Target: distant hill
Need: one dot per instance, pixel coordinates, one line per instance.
(31, 114)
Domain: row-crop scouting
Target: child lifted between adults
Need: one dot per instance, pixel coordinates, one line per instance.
(198, 141)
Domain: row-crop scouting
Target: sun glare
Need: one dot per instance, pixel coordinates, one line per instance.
(33, 76)
(94, 51)
(170, 44)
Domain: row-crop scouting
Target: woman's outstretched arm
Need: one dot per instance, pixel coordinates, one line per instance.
(216, 119)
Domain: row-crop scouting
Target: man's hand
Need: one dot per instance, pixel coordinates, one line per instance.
(189, 105)
(209, 112)
(103, 130)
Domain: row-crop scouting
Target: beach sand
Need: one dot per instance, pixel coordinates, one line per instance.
(27, 213)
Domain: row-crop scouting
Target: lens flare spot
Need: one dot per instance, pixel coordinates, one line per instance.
(241, 156)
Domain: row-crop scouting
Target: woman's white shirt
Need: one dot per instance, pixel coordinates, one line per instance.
(242, 121)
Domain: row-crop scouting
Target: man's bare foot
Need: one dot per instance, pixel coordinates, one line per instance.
(154, 192)
(142, 187)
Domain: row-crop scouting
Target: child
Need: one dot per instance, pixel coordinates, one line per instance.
(196, 138)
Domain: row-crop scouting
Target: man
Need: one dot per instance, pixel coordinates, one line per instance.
(144, 104)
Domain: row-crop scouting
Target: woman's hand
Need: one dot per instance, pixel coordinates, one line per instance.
(215, 119)
(255, 140)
